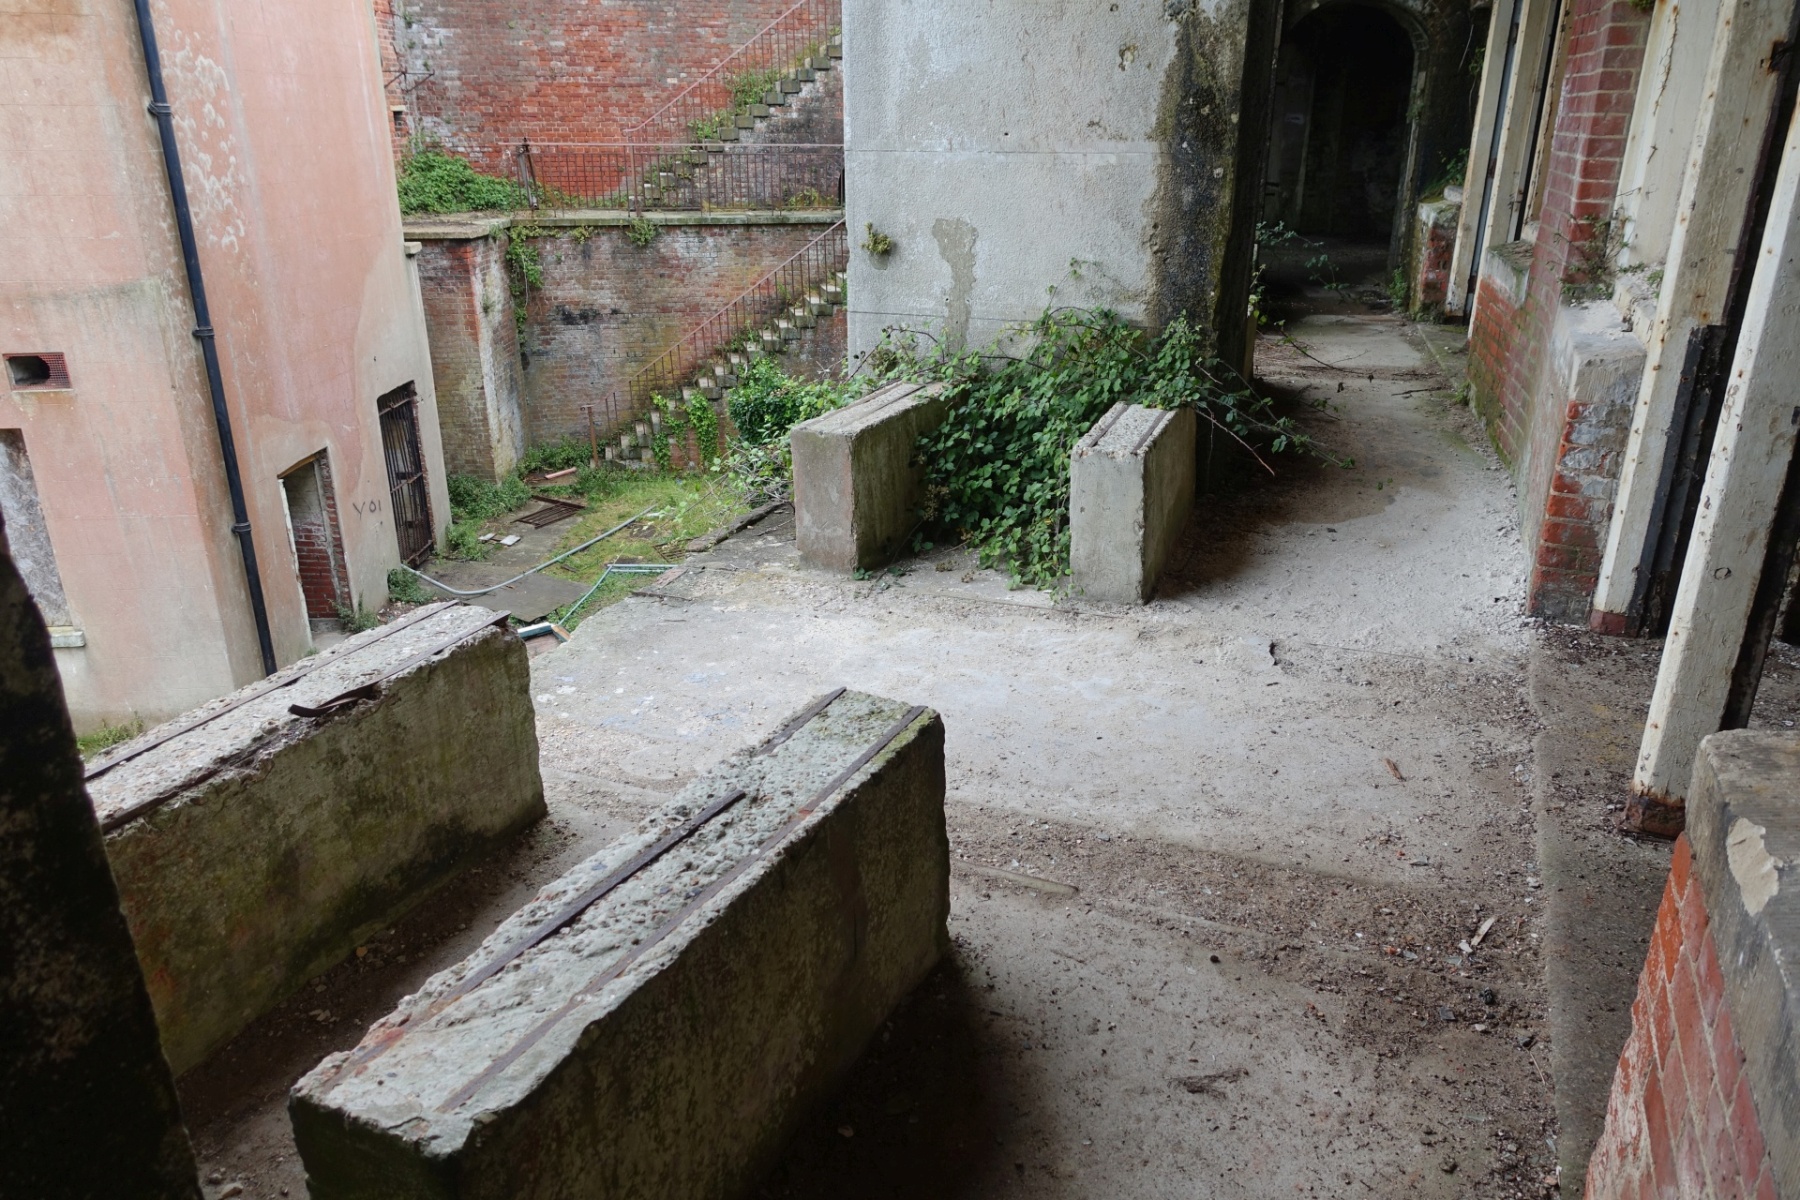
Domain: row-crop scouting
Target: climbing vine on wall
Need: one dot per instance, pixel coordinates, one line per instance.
(696, 416)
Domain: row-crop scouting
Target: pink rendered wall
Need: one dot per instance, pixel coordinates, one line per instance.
(284, 135)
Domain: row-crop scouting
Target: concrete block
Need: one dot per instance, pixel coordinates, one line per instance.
(256, 849)
(856, 490)
(655, 1025)
(1131, 487)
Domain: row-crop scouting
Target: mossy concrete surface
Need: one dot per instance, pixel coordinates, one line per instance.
(278, 842)
(670, 1038)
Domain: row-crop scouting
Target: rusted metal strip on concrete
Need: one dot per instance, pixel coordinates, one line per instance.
(625, 961)
(369, 689)
(101, 768)
(592, 896)
(556, 923)
(797, 723)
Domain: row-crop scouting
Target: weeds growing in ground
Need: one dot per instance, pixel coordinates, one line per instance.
(108, 736)
(404, 588)
(765, 404)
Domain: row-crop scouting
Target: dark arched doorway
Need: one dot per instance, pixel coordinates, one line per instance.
(1340, 141)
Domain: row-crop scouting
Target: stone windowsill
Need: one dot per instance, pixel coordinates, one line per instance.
(1509, 266)
(67, 637)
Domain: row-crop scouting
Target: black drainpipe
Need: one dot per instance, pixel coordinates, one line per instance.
(203, 330)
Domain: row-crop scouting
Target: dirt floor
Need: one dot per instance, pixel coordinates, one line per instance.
(1220, 863)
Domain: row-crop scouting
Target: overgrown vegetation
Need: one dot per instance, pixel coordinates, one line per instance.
(677, 419)
(641, 232)
(1450, 174)
(767, 403)
(356, 620)
(473, 502)
(997, 470)
(1593, 264)
(404, 588)
(434, 181)
(524, 269)
(746, 89)
(108, 736)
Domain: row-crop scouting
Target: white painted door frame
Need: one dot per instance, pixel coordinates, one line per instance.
(1745, 477)
(1728, 135)
(1484, 152)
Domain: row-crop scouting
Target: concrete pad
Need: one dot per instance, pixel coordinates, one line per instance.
(258, 847)
(659, 1020)
(856, 489)
(1131, 487)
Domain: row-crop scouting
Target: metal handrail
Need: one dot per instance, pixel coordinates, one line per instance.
(793, 279)
(674, 176)
(774, 46)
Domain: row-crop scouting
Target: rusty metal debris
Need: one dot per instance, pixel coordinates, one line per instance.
(555, 509)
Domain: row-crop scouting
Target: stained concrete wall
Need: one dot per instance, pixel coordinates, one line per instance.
(605, 309)
(667, 1042)
(86, 1100)
(283, 132)
(1112, 152)
(268, 844)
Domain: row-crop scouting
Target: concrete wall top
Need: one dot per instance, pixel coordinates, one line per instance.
(1126, 431)
(229, 732)
(1743, 822)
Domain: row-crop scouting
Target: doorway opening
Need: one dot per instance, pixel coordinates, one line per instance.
(1340, 143)
(317, 541)
(410, 501)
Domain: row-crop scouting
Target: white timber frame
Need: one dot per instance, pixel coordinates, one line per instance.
(1484, 148)
(1670, 90)
(1522, 111)
(1744, 479)
(1736, 104)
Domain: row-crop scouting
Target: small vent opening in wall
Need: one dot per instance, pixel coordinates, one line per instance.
(31, 371)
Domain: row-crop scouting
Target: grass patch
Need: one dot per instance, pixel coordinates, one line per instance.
(108, 736)
(684, 507)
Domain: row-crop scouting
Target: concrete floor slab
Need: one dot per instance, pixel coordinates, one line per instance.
(1308, 755)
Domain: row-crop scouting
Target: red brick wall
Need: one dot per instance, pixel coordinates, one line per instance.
(1565, 496)
(392, 78)
(1436, 247)
(319, 551)
(1681, 1121)
(477, 72)
(474, 354)
(608, 307)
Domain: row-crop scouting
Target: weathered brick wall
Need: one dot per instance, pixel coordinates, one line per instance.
(1434, 246)
(393, 79)
(1681, 1120)
(1509, 347)
(474, 354)
(608, 307)
(319, 550)
(477, 71)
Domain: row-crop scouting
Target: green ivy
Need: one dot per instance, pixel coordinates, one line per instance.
(766, 402)
(524, 269)
(997, 469)
(676, 421)
(432, 181)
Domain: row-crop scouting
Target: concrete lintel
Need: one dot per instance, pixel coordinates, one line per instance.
(1744, 828)
(856, 487)
(1131, 487)
(467, 226)
(663, 1043)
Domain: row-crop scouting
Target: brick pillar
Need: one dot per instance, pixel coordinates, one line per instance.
(1703, 1102)
(1565, 485)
